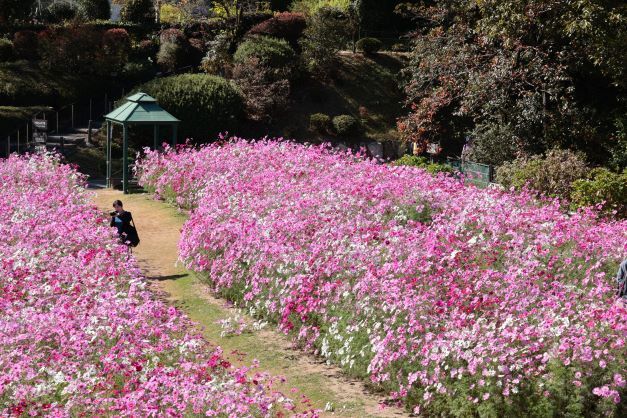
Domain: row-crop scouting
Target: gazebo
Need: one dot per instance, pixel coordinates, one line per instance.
(139, 109)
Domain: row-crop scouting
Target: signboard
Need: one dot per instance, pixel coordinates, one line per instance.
(40, 124)
(39, 137)
(40, 149)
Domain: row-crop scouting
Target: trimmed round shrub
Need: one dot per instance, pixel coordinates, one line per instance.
(6, 50)
(60, 12)
(319, 122)
(603, 186)
(345, 125)
(288, 26)
(138, 11)
(269, 51)
(95, 9)
(369, 46)
(25, 44)
(206, 104)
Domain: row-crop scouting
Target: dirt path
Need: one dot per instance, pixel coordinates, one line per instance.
(308, 378)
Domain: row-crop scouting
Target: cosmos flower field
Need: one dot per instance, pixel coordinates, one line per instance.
(454, 299)
(80, 335)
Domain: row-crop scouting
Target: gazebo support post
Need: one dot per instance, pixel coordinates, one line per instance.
(125, 159)
(108, 152)
(156, 136)
(174, 134)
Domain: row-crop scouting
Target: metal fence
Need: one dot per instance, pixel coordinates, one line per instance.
(21, 139)
(477, 173)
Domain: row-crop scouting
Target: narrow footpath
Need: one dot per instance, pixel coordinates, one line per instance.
(310, 382)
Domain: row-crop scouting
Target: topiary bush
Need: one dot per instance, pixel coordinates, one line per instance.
(345, 125)
(206, 105)
(25, 44)
(273, 52)
(603, 186)
(552, 174)
(320, 123)
(6, 50)
(369, 46)
(286, 25)
(138, 11)
(94, 9)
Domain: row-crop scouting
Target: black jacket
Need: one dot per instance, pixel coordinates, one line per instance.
(126, 218)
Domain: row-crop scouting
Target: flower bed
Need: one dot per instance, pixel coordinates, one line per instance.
(79, 333)
(455, 299)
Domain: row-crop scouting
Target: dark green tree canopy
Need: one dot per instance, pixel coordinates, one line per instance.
(95, 9)
(535, 73)
(12, 10)
(138, 11)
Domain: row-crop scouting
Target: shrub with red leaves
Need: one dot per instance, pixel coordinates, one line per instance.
(286, 25)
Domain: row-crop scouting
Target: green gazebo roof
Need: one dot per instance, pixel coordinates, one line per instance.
(141, 108)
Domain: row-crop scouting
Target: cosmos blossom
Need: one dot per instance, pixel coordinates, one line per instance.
(430, 287)
(80, 335)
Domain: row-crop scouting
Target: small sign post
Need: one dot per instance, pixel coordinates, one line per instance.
(40, 124)
(39, 137)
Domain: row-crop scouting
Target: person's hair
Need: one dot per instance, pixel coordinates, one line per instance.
(118, 203)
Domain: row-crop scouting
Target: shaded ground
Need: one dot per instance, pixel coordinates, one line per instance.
(307, 377)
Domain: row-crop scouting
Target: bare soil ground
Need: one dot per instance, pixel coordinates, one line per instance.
(310, 382)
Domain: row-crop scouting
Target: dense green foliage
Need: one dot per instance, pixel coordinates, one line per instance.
(369, 45)
(15, 10)
(138, 11)
(552, 174)
(326, 34)
(206, 105)
(602, 187)
(538, 74)
(320, 123)
(25, 44)
(263, 69)
(59, 12)
(6, 50)
(345, 125)
(95, 9)
(424, 163)
(273, 52)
